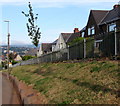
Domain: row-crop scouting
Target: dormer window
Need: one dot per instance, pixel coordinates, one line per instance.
(111, 27)
(91, 30)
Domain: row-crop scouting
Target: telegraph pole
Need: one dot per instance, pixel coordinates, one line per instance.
(8, 46)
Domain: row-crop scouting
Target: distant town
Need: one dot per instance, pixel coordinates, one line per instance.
(17, 53)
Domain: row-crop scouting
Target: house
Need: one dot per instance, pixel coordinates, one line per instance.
(110, 24)
(54, 44)
(44, 48)
(17, 57)
(74, 35)
(31, 52)
(97, 22)
(14, 56)
(82, 32)
(62, 41)
(111, 20)
(65, 38)
(95, 17)
(92, 27)
(101, 22)
(3, 58)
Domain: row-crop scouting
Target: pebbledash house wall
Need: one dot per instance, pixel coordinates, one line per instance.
(40, 52)
(61, 44)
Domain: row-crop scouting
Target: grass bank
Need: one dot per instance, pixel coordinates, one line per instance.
(95, 82)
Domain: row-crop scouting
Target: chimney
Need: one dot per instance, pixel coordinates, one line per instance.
(76, 30)
(116, 6)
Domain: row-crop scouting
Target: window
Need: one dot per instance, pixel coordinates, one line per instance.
(97, 43)
(83, 34)
(111, 27)
(61, 45)
(91, 31)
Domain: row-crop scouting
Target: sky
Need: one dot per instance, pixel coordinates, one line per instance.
(54, 17)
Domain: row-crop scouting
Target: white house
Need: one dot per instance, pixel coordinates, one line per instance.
(44, 48)
(65, 38)
(18, 58)
(59, 43)
(62, 40)
(54, 44)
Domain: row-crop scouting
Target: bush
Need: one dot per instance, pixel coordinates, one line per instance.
(77, 40)
(27, 57)
(14, 62)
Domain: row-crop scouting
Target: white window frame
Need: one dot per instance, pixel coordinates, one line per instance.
(111, 27)
(83, 34)
(97, 41)
(91, 30)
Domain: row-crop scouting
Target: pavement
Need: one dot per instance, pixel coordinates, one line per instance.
(25, 94)
(9, 94)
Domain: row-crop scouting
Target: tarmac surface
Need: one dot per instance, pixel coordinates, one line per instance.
(23, 94)
(9, 95)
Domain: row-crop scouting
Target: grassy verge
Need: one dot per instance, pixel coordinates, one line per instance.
(95, 82)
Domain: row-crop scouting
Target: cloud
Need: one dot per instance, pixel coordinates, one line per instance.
(51, 1)
(55, 3)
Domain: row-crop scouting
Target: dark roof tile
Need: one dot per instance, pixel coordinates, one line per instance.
(112, 15)
(73, 36)
(66, 36)
(99, 15)
(46, 46)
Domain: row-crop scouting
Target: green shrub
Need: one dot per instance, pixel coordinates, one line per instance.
(27, 57)
(14, 62)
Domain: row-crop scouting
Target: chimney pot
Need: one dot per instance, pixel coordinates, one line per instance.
(116, 5)
(76, 30)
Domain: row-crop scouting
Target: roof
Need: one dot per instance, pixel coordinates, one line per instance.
(32, 52)
(66, 36)
(83, 29)
(2, 57)
(46, 46)
(13, 55)
(112, 15)
(99, 15)
(55, 41)
(73, 36)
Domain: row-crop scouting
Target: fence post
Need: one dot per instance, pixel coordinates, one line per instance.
(115, 44)
(68, 54)
(84, 48)
(51, 57)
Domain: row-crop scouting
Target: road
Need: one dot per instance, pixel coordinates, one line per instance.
(9, 95)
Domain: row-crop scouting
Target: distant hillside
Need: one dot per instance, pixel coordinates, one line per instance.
(28, 46)
(20, 49)
(95, 82)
